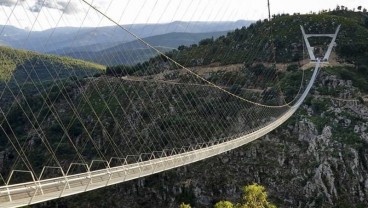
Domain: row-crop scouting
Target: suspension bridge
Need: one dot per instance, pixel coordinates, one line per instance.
(81, 132)
(44, 190)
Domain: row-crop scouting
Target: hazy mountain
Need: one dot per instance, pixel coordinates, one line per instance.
(135, 51)
(65, 38)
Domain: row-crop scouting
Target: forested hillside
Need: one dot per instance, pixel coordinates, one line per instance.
(278, 41)
(284, 34)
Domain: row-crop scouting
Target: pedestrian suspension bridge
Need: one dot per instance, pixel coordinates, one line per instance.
(89, 132)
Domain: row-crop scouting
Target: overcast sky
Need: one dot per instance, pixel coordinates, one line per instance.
(45, 14)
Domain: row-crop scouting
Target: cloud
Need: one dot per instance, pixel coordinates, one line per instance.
(68, 7)
(9, 3)
(43, 3)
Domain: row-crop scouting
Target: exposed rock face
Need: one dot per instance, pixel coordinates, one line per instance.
(317, 159)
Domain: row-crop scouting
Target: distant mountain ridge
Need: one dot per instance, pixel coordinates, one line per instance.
(135, 51)
(102, 37)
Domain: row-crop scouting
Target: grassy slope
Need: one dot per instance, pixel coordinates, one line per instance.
(21, 62)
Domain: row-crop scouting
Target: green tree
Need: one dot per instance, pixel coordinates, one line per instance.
(207, 41)
(224, 204)
(255, 196)
(182, 205)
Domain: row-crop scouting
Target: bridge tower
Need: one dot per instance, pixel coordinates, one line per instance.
(311, 49)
